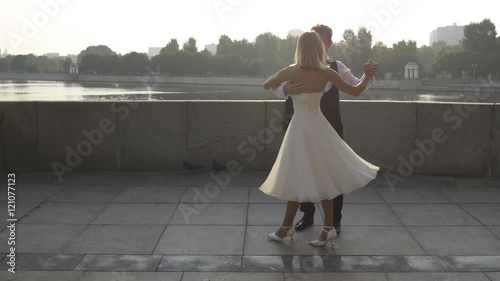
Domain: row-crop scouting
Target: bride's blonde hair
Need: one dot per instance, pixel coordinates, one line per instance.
(311, 51)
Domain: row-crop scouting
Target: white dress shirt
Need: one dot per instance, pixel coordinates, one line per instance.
(344, 72)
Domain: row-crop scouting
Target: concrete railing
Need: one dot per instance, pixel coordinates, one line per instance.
(406, 137)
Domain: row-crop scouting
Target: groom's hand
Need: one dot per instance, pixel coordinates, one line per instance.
(292, 88)
(370, 67)
(373, 66)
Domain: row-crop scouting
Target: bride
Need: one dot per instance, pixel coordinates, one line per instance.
(314, 163)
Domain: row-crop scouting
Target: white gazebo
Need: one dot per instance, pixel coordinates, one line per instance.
(73, 69)
(411, 70)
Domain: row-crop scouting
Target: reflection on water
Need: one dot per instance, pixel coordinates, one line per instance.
(65, 91)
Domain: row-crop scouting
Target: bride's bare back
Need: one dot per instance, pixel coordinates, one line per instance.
(314, 80)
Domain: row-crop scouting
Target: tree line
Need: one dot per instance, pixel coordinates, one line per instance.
(478, 54)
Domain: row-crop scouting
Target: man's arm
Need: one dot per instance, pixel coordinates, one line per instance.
(279, 92)
(344, 86)
(347, 75)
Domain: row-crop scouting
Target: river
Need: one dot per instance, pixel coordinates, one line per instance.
(90, 91)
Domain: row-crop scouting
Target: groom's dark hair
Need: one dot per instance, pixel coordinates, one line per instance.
(323, 30)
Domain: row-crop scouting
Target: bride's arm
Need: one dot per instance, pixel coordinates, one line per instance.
(276, 79)
(345, 87)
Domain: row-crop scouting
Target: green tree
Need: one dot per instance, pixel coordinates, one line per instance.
(383, 55)
(232, 64)
(32, 64)
(287, 50)
(190, 46)
(101, 50)
(402, 53)
(254, 67)
(4, 67)
(133, 63)
(456, 62)
(90, 62)
(267, 46)
(160, 62)
(244, 48)
(364, 50)
(172, 47)
(426, 56)
(8, 61)
(345, 50)
(18, 63)
(337, 51)
(50, 65)
(354, 50)
(170, 63)
(225, 46)
(66, 64)
(108, 64)
(203, 63)
(480, 37)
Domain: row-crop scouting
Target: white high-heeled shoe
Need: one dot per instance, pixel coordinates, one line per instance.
(290, 231)
(329, 237)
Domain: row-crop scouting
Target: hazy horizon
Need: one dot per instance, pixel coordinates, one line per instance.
(69, 26)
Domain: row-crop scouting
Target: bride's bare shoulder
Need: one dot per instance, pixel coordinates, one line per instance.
(292, 68)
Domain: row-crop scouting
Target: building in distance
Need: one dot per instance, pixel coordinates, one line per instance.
(451, 35)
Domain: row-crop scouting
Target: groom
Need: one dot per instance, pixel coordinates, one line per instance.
(330, 106)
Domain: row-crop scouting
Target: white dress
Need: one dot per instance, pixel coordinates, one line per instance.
(313, 162)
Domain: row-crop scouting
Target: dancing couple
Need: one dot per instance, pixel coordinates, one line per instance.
(314, 164)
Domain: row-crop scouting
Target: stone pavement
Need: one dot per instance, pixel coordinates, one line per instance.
(153, 226)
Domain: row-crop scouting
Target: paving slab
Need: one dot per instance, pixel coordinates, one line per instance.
(487, 214)
(126, 276)
(272, 214)
(201, 240)
(473, 263)
(413, 195)
(119, 263)
(233, 276)
(116, 239)
(136, 214)
(230, 194)
(433, 214)
(54, 262)
(210, 214)
(477, 195)
(86, 193)
(50, 238)
(195, 263)
(64, 213)
(369, 215)
(436, 276)
(151, 194)
(456, 240)
(41, 276)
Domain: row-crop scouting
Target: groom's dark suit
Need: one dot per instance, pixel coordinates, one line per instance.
(330, 106)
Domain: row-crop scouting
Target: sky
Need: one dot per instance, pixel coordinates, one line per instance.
(69, 26)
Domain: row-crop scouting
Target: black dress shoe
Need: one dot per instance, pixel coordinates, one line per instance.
(337, 228)
(304, 223)
(216, 167)
(189, 166)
